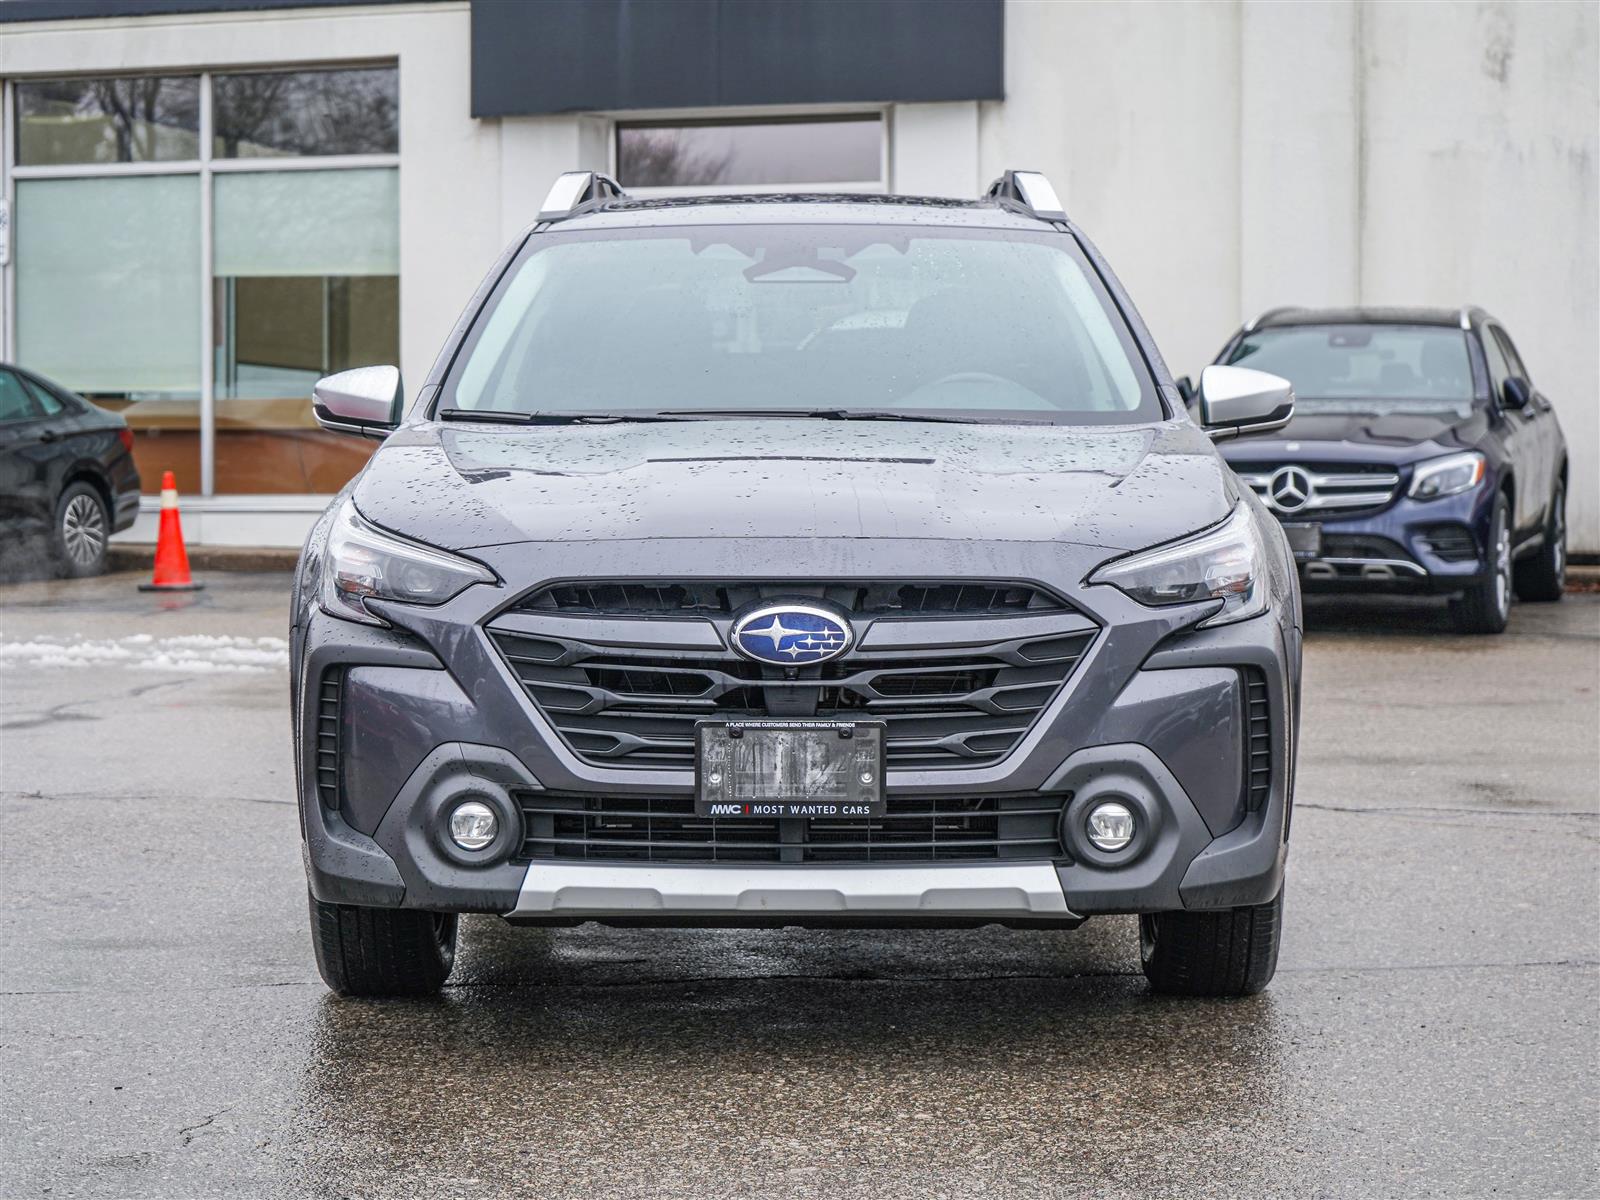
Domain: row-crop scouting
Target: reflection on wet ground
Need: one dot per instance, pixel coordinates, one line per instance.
(709, 1057)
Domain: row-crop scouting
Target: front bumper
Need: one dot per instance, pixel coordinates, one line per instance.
(1411, 547)
(1154, 714)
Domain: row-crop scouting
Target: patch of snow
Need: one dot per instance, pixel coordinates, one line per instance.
(195, 654)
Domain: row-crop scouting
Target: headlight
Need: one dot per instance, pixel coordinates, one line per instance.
(1223, 563)
(1447, 476)
(362, 562)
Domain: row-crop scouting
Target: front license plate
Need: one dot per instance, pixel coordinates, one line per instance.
(1304, 540)
(789, 769)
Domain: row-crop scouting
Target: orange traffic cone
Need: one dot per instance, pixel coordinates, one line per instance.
(172, 560)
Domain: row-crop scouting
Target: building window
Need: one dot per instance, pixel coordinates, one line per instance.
(286, 113)
(307, 278)
(840, 153)
(153, 118)
(210, 350)
(108, 303)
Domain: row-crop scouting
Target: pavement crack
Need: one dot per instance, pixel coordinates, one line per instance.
(49, 716)
(98, 797)
(1454, 810)
(62, 711)
(188, 1131)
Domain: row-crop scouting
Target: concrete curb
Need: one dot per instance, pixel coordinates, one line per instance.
(141, 556)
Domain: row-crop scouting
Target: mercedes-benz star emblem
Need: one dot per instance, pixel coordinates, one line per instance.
(1290, 489)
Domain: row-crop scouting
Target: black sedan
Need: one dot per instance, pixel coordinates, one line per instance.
(1421, 458)
(67, 477)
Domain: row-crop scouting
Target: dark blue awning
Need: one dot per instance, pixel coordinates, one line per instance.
(582, 55)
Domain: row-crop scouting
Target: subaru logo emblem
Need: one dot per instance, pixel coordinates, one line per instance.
(791, 635)
(1290, 489)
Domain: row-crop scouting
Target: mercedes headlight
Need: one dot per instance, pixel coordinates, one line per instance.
(1223, 563)
(1447, 476)
(361, 563)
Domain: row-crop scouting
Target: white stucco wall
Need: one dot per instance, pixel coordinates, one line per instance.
(1233, 157)
(1227, 156)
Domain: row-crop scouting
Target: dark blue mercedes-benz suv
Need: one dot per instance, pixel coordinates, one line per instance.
(1421, 457)
(797, 560)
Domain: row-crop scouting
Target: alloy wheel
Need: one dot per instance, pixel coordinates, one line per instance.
(83, 530)
(1558, 531)
(1502, 566)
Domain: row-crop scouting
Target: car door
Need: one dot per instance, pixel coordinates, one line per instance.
(1521, 436)
(1543, 419)
(25, 500)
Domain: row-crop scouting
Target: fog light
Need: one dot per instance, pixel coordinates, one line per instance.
(473, 825)
(1110, 826)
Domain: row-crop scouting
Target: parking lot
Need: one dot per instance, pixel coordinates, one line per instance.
(1433, 1029)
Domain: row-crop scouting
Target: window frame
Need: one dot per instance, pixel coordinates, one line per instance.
(207, 166)
(36, 412)
(1508, 348)
(1493, 348)
(44, 397)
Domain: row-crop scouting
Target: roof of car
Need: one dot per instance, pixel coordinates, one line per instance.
(801, 208)
(1366, 316)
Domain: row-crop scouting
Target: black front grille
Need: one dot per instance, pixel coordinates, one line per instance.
(638, 705)
(329, 695)
(1361, 545)
(1451, 542)
(708, 597)
(1258, 745)
(665, 829)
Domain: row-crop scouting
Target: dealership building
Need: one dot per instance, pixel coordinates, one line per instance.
(209, 204)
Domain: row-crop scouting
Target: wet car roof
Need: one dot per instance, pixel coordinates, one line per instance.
(799, 208)
(1361, 316)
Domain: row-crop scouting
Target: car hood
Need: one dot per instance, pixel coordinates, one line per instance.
(1365, 437)
(461, 486)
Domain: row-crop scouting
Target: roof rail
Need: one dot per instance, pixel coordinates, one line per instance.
(1252, 326)
(572, 190)
(1032, 191)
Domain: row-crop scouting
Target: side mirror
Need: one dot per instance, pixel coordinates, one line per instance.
(366, 401)
(1236, 400)
(1516, 392)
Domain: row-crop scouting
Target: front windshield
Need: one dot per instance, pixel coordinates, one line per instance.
(949, 322)
(1365, 368)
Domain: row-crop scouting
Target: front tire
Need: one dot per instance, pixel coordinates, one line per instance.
(1544, 576)
(81, 531)
(1486, 605)
(1224, 952)
(382, 951)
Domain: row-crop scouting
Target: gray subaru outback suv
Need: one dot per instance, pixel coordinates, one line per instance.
(797, 560)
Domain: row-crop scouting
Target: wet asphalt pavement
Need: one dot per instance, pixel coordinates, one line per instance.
(1434, 1028)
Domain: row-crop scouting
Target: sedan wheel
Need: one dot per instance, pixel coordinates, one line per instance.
(82, 531)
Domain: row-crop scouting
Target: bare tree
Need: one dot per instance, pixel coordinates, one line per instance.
(659, 157)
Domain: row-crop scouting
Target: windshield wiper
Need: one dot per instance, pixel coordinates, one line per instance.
(502, 417)
(505, 417)
(824, 414)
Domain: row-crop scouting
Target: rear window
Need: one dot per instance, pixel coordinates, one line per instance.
(1399, 366)
(763, 317)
